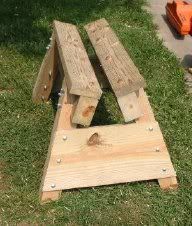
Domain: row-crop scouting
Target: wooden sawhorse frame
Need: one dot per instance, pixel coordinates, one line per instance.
(100, 155)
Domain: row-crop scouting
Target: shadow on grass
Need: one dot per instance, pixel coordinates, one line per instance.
(27, 24)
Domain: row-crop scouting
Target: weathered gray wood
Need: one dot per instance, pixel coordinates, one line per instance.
(47, 74)
(122, 74)
(120, 70)
(80, 76)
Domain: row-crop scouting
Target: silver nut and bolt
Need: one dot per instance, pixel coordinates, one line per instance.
(58, 160)
(53, 185)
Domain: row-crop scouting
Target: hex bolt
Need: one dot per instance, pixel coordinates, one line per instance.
(62, 91)
(150, 129)
(157, 149)
(53, 186)
(58, 106)
(64, 137)
(50, 74)
(45, 87)
(164, 169)
(58, 160)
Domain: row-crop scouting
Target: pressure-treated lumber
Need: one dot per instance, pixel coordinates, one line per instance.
(107, 155)
(120, 70)
(80, 76)
(47, 74)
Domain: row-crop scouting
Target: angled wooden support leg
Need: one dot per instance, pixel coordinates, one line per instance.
(148, 116)
(120, 70)
(62, 121)
(47, 74)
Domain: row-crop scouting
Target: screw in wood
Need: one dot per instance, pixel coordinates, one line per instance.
(58, 106)
(164, 169)
(157, 149)
(45, 87)
(64, 137)
(58, 160)
(53, 186)
(150, 129)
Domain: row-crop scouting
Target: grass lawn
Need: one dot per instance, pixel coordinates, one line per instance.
(25, 28)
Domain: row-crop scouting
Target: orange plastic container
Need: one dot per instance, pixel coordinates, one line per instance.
(179, 14)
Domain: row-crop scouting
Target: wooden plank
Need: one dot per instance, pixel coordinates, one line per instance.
(148, 116)
(47, 74)
(84, 111)
(107, 155)
(80, 76)
(120, 70)
(122, 74)
(62, 121)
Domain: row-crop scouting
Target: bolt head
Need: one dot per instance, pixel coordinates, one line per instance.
(53, 185)
(164, 169)
(62, 91)
(58, 160)
(50, 74)
(64, 137)
(157, 149)
(150, 129)
(58, 106)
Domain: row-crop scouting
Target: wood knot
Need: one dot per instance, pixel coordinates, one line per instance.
(94, 140)
(88, 111)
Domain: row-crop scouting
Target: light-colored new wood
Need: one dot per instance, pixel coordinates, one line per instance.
(122, 74)
(148, 116)
(84, 111)
(62, 121)
(80, 76)
(107, 155)
(168, 183)
(47, 74)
